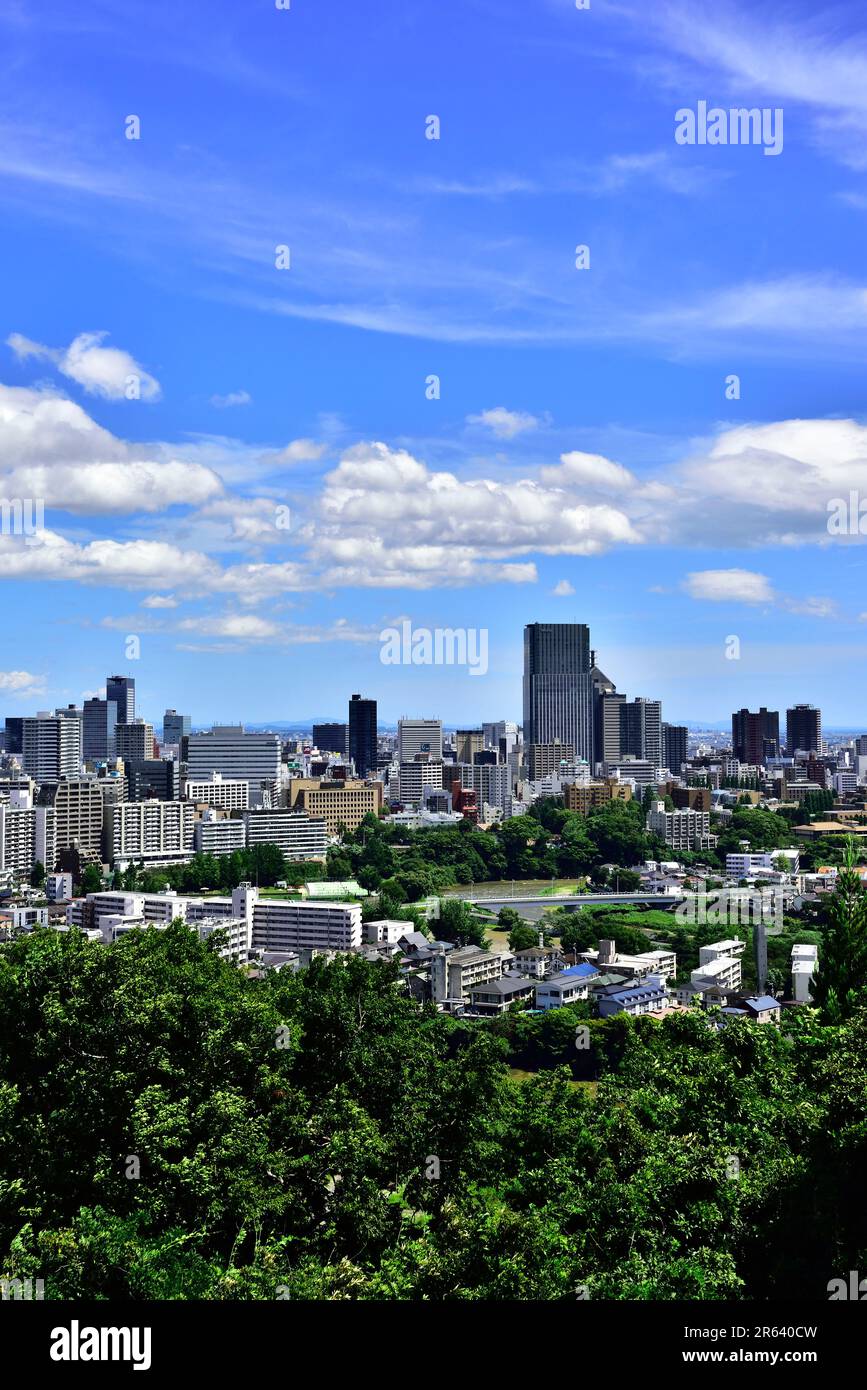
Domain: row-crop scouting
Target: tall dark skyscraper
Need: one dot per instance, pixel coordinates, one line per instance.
(121, 690)
(99, 718)
(558, 686)
(803, 730)
(362, 735)
(674, 747)
(641, 730)
(755, 737)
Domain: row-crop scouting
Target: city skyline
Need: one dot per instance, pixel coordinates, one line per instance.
(251, 459)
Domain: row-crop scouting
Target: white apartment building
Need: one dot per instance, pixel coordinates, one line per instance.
(238, 756)
(680, 829)
(58, 888)
(227, 793)
(28, 835)
(298, 835)
(386, 930)
(742, 865)
(455, 973)
(416, 736)
(214, 836)
(414, 777)
(51, 747)
(155, 831)
(719, 966)
(290, 926)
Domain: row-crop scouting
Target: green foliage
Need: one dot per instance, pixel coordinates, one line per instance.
(840, 985)
(305, 1168)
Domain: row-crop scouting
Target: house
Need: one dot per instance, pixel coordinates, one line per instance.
(538, 961)
(762, 1008)
(567, 987)
(650, 996)
(497, 996)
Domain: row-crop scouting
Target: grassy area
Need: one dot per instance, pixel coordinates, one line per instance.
(519, 1076)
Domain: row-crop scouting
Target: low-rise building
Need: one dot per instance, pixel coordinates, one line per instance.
(567, 987)
(649, 997)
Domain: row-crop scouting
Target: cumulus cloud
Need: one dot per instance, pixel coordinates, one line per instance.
(159, 601)
(50, 448)
(102, 371)
(591, 470)
(562, 589)
(21, 683)
(503, 423)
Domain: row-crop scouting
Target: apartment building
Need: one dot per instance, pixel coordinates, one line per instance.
(51, 747)
(583, 796)
(134, 742)
(455, 973)
(27, 836)
(217, 834)
(289, 926)
(297, 834)
(681, 829)
(154, 831)
(78, 809)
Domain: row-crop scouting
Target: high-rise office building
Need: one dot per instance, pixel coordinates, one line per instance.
(755, 737)
(238, 756)
(419, 737)
(674, 738)
(803, 730)
(607, 727)
(121, 689)
(362, 735)
(99, 720)
(641, 730)
(156, 779)
(134, 742)
(331, 738)
(175, 726)
(558, 687)
(51, 747)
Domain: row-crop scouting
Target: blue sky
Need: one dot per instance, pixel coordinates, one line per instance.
(283, 489)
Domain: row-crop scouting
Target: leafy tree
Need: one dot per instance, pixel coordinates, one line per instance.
(37, 874)
(522, 937)
(840, 984)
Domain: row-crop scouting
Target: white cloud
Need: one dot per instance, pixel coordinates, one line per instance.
(505, 424)
(729, 586)
(245, 626)
(592, 470)
(51, 449)
(21, 683)
(159, 601)
(231, 399)
(300, 451)
(102, 371)
(562, 589)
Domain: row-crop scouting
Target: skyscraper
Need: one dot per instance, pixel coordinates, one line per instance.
(419, 736)
(674, 738)
(362, 735)
(755, 737)
(558, 687)
(175, 726)
(121, 689)
(51, 747)
(803, 730)
(99, 719)
(641, 730)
